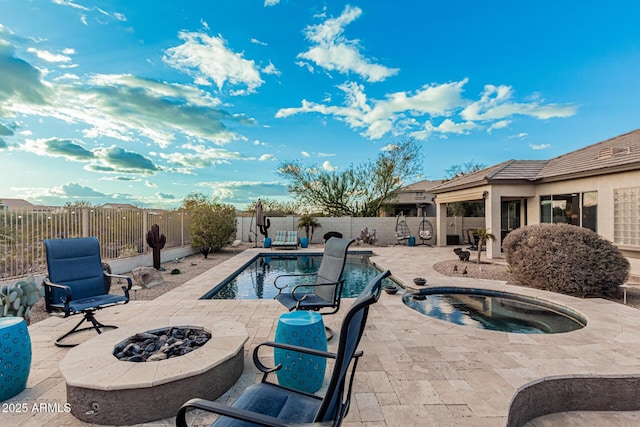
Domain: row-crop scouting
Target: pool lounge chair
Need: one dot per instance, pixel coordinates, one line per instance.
(285, 239)
(269, 404)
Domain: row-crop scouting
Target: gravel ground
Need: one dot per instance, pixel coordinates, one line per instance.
(195, 265)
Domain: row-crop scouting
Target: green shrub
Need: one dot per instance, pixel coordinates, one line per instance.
(213, 224)
(566, 259)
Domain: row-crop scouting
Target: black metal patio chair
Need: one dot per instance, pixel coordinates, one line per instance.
(76, 283)
(269, 404)
(326, 291)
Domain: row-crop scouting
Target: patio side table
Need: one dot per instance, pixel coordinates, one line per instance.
(301, 371)
(15, 356)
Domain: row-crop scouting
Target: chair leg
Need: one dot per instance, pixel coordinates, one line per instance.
(95, 324)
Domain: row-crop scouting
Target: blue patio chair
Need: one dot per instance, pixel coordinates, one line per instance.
(325, 292)
(76, 283)
(269, 404)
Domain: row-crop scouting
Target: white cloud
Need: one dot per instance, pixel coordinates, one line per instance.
(268, 3)
(375, 118)
(150, 184)
(201, 156)
(208, 58)
(448, 126)
(400, 112)
(333, 52)
(256, 41)
(540, 146)
(520, 135)
(495, 104)
(501, 124)
(266, 157)
(271, 69)
(305, 154)
(49, 56)
(326, 165)
(70, 4)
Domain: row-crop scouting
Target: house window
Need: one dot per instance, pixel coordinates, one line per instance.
(626, 213)
(579, 209)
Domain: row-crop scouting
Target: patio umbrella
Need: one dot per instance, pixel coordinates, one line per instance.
(259, 219)
(259, 215)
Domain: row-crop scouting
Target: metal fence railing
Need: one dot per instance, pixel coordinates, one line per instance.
(121, 232)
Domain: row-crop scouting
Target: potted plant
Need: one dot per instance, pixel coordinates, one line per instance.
(309, 223)
(16, 301)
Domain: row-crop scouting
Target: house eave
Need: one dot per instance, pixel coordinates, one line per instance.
(589, 173)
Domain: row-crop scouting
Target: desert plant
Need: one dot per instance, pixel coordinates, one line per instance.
(213, 225)
(156, 241)
(566, 259)
(309, 223)
(483, 236)
(18, 298)
(368, 236)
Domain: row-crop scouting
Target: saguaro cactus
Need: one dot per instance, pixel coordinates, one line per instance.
(264, 228)
(156, 241)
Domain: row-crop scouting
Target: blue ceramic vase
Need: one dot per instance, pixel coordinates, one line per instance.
(15, 356)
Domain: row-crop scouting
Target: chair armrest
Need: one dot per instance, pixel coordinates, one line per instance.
(338, 284)
(266, 370)
(237, 413)
(280, 288)
(48, 284)
(120, 276)
(125, 289)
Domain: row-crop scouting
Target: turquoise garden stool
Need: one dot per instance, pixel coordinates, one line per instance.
(15, 356)
(301, 371)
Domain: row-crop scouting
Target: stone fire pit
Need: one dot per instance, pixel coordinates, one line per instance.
(104, 390)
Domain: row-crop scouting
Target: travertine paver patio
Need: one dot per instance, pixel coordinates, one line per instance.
(416, 370)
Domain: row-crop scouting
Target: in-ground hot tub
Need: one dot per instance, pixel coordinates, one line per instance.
(495, 310)
(104, 390)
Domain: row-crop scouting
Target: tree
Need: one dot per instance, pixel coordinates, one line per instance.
(360, 190)
(483, 236)
(470, 209)
(458, 170)
(272, 207)
(213, 224)
(308, 222)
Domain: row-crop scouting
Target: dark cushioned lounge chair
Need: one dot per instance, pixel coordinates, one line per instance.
(76, 283)
(325, 292)
(270, 404)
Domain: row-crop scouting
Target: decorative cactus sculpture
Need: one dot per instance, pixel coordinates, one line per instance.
(156, 241)
(264, 228)
(17, 299)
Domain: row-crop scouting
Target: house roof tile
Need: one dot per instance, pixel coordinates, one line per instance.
(622, 151)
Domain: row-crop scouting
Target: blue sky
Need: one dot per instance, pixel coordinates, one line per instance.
(146, 101)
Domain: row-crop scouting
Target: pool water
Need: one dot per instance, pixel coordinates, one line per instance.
(498, 311)
(255, 280)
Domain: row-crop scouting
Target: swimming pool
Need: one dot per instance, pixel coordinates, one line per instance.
(494, 310)
(255, 279)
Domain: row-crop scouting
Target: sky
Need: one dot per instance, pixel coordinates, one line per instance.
(144, 102)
